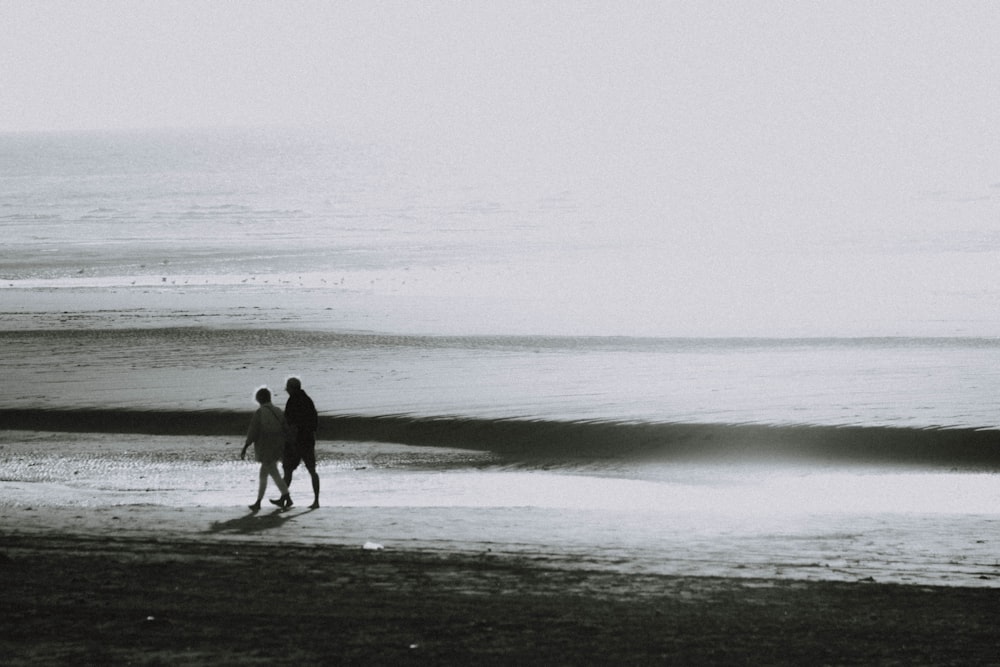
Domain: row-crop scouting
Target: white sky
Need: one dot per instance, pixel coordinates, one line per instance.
(687, 76)
(749, 122)
(760, 94)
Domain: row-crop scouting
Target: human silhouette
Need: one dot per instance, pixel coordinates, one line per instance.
(267, 434)
(300, 413)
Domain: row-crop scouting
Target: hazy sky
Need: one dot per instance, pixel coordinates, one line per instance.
(748, 123)
(761, 95)
(805, 78)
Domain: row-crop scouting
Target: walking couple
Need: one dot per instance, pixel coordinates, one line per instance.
(289, 436)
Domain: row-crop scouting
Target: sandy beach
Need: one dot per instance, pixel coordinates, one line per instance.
(110, 600)
(126, 550)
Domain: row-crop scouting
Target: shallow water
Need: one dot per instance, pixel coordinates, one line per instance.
(898, 382)
(796, 522)
(201, 471)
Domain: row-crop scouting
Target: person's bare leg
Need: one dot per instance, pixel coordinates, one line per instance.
(261, 487)
(286, 499)
(315, 483)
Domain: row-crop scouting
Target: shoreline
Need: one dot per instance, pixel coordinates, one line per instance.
(161, 601)
(909, 526)
(537, 439)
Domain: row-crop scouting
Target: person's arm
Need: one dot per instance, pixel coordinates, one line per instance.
(313, 417)
(291, 412)
(252, 434)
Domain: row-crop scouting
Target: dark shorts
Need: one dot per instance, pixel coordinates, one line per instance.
(304, 451)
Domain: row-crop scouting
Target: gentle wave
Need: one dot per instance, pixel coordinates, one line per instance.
(552, 442)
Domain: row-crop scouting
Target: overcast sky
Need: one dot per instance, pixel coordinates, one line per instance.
(732, 90)
(764, 86)
(803, 78)
(879, 99)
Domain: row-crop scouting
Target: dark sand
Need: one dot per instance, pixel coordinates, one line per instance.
(79, 600)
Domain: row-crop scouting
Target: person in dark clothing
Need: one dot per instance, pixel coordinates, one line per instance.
(300, 413)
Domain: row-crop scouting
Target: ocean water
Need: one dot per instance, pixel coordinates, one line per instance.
(905, 383)
(502, 359)
(327, 233)
(401, 282)
(179, 270)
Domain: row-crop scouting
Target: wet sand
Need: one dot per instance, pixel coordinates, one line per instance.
(698, 520)
(133, 552)
(154, 601)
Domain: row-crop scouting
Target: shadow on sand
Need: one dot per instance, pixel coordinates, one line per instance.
(254, 522)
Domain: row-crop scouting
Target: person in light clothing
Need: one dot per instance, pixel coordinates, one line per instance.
(267, 435)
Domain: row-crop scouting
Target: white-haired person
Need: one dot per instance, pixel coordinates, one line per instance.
(267, 435)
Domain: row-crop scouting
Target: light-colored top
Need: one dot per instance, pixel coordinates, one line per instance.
(267, 432)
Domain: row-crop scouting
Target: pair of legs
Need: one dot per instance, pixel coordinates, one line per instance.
(270, 469)
(315, 481)
(304, 452)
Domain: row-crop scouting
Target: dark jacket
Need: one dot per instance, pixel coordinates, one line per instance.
(301, 413)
